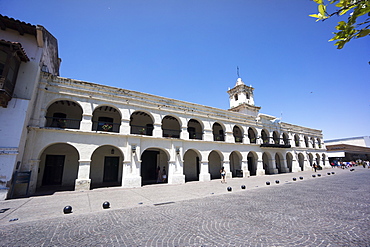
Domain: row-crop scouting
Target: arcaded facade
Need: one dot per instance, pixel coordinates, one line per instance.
(84, 135)
(78, 135)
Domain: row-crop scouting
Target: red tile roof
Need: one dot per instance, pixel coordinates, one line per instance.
(18, 48)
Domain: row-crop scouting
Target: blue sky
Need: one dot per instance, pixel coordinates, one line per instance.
(189, 50)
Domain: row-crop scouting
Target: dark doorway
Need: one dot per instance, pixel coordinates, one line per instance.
(251, 168)
(148, 167)
(111, 165)
(53, 174)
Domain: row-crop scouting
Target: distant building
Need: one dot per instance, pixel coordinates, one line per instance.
(80, 135)
(349, 149)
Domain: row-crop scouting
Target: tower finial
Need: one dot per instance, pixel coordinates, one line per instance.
(237, 71)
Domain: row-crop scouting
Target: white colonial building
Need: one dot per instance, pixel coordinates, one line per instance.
(82, 135)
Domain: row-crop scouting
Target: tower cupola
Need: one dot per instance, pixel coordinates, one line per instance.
(241, 99)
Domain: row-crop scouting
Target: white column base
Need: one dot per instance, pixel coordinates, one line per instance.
(82, 184)
(246, 174)
(204, 177)
(176, 179)
(260, 172)
(131, 182)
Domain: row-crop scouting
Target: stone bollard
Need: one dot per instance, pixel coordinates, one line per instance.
(67, 209)
(106, 205)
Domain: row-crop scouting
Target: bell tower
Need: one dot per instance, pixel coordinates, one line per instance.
(242, 100)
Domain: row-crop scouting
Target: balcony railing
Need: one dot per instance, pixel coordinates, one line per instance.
(171, 133)
(220, 138)
(141, 130)
(196, 135)
(62, 123)
(105, 126)
(238, 139)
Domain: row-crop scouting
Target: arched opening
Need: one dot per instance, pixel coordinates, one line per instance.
(310, 159)
(323, 159)
(64, 114)
(279, 162)
(106, 167)
(106, 118)
(289, 161)
(266, 163)
(153, 160)
(170, 127)
(58, 168)
(313, 142)
(252, 164)
(265, 136)
(195, 130)
(306, 141)
(276, 137)
(318, 161)
(238, 134)
(286, 139)
(296, 140)
(236, 164)
(252, 135)
(319, 142)
(141, 123)
(301, 161)
(214, 165)
(218, 132)
(191, 165)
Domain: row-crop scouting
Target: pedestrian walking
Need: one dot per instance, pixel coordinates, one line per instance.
(164, 175)
(223, 175)
(159, 175)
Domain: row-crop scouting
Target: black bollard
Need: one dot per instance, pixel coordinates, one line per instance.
(277, 181)
(301, 178)
(229, 188)
(106, 205)
(294, 179)
(332, 172)
(67, 209)
(313, 175)
(319, 175)
(328, 173)
(243, 187)
(267, 183)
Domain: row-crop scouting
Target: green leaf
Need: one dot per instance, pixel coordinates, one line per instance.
(363, 33)
(322, 9)
(315, 16)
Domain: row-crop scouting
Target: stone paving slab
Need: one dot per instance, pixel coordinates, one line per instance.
(332, 210)
(49, 206)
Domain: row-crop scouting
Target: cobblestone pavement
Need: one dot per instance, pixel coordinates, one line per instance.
(325, 211)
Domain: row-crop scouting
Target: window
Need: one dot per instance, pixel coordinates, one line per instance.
(236, 97)
(9, 65)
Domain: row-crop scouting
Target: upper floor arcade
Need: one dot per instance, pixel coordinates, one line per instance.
(69, 114)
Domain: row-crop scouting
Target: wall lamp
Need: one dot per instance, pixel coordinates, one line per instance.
(133, 149)
(177, 150)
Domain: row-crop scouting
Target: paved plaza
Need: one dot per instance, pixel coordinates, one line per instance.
(330, 210)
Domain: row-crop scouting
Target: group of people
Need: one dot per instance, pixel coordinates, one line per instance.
(348, 164)
(161, 175)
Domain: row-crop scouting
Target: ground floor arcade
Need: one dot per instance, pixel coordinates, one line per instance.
(78, 166)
